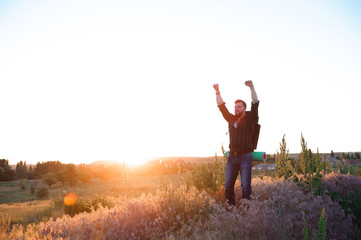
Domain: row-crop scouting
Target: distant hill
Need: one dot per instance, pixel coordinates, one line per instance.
(165, 159)
(104, 162)
(187, 159)
(204, 159)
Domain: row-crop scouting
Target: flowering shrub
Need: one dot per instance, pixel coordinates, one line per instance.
(147, 217)
(279, 209)
(341, 183)
(346, 191)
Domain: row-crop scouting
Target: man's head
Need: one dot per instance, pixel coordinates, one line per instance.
(239, 108)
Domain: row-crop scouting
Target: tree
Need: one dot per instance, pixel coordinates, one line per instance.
(48, 167)
(50, 179)
(84, 177)
(6, 172)
(71, 175)
(62, 176)
(31, 173)
(21, 170)
(4, 163)
(9, 173)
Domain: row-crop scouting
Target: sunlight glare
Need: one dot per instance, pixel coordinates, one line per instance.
(70, 199)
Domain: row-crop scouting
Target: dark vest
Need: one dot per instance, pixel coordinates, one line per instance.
(244, 138)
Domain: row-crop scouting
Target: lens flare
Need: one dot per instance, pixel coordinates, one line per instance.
(70, 199)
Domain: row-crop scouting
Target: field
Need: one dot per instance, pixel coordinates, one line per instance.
(22, 207)
(178, 206)
(11, 192)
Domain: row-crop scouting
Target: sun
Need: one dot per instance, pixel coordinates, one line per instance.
(135, 160)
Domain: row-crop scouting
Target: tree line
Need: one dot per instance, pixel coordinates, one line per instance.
(52, 172)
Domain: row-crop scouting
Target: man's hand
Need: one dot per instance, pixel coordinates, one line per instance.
(218, 94)
(249, 83)
(216, 87)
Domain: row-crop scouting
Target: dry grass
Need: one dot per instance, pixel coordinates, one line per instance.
(27, 210)
(277, 211)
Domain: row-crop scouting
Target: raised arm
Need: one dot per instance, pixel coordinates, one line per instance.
(249, 83)
(218, 94)
(222, 107)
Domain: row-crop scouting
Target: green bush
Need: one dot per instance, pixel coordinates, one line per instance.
(308, 171)
(208, 176)
(349, 169)
(351, 203)
(79, 207)
(42, 192)
(87, 204)
(32, 190)
(33, 187)
(22, 183)
(50, 179)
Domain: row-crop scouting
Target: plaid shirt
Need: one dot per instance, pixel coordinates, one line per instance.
(241, 137)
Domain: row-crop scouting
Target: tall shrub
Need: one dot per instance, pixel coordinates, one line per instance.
(307, 171)
(321, 227)
(312, 168)
(284, 164)
(208, 176)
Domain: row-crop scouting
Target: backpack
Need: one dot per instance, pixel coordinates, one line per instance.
(255, 135)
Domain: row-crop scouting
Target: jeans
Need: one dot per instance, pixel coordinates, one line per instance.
(235, 164)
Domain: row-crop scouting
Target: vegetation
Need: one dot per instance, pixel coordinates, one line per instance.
(321, 228)
(302, 199)
(6, 173)
(278, 208)
(22, 183)
(284, 163)
(21, 170)
(208, 176)
(50, 179)
(42, 193)
(308, 171)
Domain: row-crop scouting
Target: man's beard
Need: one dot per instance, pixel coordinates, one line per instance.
(239, 114)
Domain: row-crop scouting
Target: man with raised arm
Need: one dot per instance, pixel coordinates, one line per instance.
(243, 135)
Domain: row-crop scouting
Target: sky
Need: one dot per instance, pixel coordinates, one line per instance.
(131, 80)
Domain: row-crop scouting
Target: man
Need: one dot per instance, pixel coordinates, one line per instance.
(243, 133)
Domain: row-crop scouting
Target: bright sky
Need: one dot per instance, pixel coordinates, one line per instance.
(82, 81)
